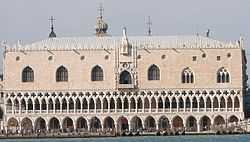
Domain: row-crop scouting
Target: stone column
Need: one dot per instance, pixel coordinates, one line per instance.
(20, 108)
(136, 106)
(60, 107)
(226, 104)
(115, 106)
(108, 105)
(156, 101)
(205, 105)
(12, 107)
(129, 106)
(33, 107)
(88, 123)
(191, 105)
(184, 101)
(26, 108)
(81, 106)
(122, 106)
(212, 105)
(75, 107)
(157, 125)
(198, 103)
(54, 107)
(143, 109)
(164, 106)
(88, 106)
(177, 102)
(150, 105)
(67, 107)
(233, 104)
(170, 105)
(198, 127)
(47, 108)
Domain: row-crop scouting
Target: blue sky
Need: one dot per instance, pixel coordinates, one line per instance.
(27, 20)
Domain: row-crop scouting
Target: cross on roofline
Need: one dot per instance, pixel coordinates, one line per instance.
(52, 19)
(101, 9)
(149, 23)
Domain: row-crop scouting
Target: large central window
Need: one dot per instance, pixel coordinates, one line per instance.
(125, 78)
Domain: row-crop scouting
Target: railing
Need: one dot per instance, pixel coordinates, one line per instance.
(153, 110)
(160, 110)
(132, 110)
(147, 110)
(139, 110)
(118, 110)
(195, 109)
(181, 110)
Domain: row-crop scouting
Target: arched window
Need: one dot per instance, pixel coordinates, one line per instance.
(97, 74)
(125, 78)
(223, 76)
(187, 76)
(153, 73)
(27, 75)
(61, 74)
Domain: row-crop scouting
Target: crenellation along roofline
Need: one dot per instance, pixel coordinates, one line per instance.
(109, 43)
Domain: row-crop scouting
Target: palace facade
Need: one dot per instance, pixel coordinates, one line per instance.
(123, 83)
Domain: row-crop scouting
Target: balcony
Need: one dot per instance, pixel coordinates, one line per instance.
(126, 86)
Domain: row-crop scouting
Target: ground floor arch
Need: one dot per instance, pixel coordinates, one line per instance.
(219, 121)
(205, 123)
(177, 122)
(191, 124)
(122, 124)
(109, 124)
(54, 124)
(26, 125)
(150, 124)
(12, 125)
(81, 124)
(163, 123)
(95, 124)
(40, 124)
(136, 123)
(233, 119)
(68, 125)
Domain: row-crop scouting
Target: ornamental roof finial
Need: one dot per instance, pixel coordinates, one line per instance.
(149, 23)
(52, 33)
(101, 27)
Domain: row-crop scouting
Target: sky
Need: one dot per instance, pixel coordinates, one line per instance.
(27, 20)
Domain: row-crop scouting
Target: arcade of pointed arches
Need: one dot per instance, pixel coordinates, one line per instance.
(149, 123)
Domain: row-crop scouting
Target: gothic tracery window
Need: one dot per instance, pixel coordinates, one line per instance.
(187, 76)
(223, 76)
(61, 74)
(153, 73)
(97, 74)
(27, 75)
